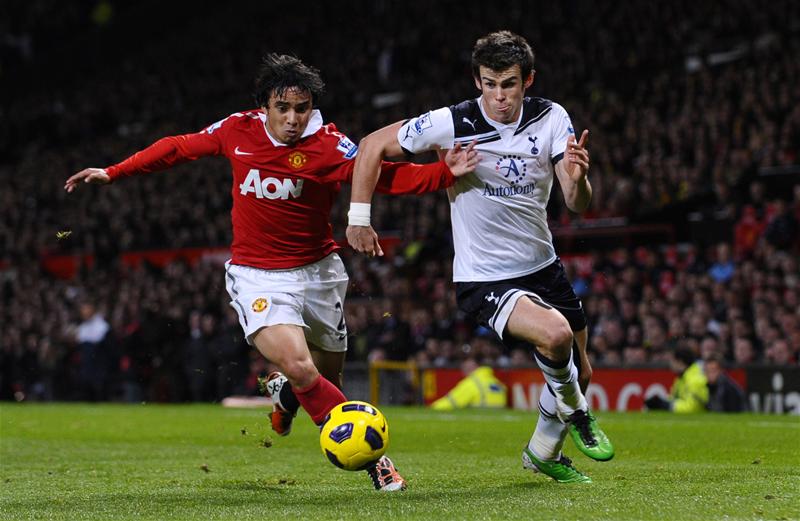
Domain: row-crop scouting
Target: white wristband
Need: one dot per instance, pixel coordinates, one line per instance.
(358, 214)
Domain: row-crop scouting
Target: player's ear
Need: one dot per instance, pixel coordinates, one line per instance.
(529, 79)
(477, 82)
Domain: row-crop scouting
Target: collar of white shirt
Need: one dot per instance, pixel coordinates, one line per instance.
(502, 128)
(314, 124)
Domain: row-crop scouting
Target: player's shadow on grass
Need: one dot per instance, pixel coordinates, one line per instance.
(260, 485)
(525, 486)
(418, 492)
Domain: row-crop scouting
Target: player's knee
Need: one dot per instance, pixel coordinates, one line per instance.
(558, 338)
(301, 372)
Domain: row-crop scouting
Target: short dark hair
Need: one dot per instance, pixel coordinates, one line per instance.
(500, 50)
(684, 355)
(280, 72)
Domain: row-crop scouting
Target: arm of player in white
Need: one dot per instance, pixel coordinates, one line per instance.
(573, 167)
(371, 151)
(572, 171)
(430, 131)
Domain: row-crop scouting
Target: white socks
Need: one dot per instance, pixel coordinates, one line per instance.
(548, 438)
(564, 383)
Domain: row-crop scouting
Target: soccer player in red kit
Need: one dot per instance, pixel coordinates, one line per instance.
(285, 279)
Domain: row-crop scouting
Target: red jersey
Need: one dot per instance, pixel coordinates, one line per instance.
(282, 195)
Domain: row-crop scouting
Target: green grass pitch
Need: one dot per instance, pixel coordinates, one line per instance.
(161, 462)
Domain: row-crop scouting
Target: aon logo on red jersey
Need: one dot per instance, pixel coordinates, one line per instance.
(271, 187)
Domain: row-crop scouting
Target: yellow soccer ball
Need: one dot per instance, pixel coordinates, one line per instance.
(354, 435)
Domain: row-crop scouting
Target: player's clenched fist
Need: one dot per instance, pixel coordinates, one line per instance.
(89, 175)
(363, 239)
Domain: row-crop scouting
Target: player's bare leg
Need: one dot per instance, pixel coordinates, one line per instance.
(585, 373)
(541, 325)
(284, 402)
(330, 364)
(285, 346)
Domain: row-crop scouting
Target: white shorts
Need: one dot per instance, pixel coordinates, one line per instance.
(310, 296)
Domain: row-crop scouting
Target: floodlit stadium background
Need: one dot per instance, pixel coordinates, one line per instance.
(692, 238)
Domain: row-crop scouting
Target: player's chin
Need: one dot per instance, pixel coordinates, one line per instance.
(292, 135)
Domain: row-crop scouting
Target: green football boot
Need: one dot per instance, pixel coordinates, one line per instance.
(588, 436)
(561, 470)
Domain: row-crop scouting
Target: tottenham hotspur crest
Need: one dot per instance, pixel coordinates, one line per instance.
(534, 148)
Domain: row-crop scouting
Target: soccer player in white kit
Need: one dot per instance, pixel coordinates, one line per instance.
(285, 279)
(506, 270)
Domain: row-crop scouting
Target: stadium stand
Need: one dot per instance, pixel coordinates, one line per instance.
(695, 123)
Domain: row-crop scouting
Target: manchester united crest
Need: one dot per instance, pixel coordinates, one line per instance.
(297, 159)
(260, 304)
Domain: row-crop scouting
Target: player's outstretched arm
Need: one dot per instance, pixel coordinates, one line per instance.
(163, 154)
(371, 151)
(410, 178)
(88, 175)
(572, 171)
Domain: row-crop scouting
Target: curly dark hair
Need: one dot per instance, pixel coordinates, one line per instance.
(500, 50)
(280, 72)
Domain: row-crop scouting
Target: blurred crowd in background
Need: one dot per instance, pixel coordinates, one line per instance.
(694, 117)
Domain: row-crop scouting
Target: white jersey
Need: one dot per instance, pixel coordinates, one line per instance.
(499, 212)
